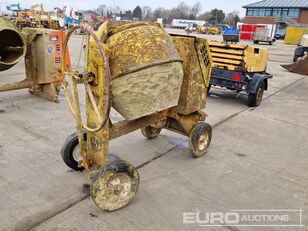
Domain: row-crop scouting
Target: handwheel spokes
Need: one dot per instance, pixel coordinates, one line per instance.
(93, 103)
(76, 103)
(67, 85)
(71, 78)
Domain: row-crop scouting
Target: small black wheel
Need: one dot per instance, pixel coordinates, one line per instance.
(270, 43)
(295, 58)
(70, 152)
(71, 155)
(200, 139)
(115, 185)
(150, 132)
(254, 99)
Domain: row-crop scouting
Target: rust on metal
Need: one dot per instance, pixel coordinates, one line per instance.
(43, 73)
(197, 64)
(299, 67)
(12, 44)
(114, 185)
(142, 56)
(132, 65)
(130, 49)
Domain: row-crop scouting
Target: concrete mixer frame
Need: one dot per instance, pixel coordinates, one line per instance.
(94, 136)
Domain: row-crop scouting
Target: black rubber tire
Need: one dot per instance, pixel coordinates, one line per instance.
(254, 100)
(295, 58)
(199, 130)
(150, 132)
(103, 191)
(255, 42)
(67, 151)
(270, 43)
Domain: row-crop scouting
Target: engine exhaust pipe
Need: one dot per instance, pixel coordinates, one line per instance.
(12, 44)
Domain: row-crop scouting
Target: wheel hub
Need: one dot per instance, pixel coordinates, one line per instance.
(112, 190)
(77, 154)
(120, 184)
(203, 141)
(259, 95)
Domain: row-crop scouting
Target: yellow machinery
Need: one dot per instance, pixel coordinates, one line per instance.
(23, 20)
(208, 30)
(43, 19)
(42, 49)
(36, 17)
(240, 68)
(238, 57)
(153, 80)
(294, 34)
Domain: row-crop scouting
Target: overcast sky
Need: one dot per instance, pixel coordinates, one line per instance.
(226, 5)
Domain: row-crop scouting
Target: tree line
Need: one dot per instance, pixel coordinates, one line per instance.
(181, 11)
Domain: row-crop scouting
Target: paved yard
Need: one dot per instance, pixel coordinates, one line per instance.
(257, 160)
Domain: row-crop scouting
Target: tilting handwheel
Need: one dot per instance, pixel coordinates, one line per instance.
(200, 139)
(72, 77)
(100, 111)
(114, 185)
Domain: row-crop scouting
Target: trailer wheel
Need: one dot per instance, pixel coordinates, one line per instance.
(115, 185)
(254, 99)
(200, 139)
(70, 152)
(150, 132)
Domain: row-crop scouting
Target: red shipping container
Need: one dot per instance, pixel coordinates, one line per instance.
(246, 36)
(247, 31)
(247, 27)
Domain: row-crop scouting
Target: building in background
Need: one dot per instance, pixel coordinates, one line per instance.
(282, 12)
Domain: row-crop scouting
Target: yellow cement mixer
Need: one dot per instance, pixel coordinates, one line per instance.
(153, 80)
(41, 49)
(12, 44)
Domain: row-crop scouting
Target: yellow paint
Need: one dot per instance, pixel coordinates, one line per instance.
(197, 65)
(294, 34)
(225, 51)
(226, 60)
(224, 45)
(239, 57)
(225, 66)
(208, 30)
(234, 57)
